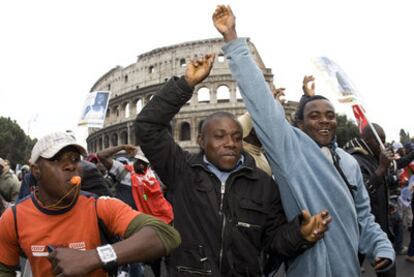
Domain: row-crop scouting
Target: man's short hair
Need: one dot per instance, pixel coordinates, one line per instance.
(300, 113)
(217, 115)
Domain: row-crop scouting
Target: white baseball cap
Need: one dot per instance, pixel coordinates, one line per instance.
(49, 145)
(140, 155)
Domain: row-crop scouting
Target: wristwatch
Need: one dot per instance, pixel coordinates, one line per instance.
(108, 257)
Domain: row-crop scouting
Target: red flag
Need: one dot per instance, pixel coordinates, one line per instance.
(359, 114)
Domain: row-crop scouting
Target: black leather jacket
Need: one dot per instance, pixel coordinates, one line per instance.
(220, 236)
(377, 187)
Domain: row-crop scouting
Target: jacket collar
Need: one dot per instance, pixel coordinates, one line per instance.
(248, 169)
(358, 145)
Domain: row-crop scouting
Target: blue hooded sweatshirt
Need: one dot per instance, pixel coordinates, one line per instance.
(307, 179)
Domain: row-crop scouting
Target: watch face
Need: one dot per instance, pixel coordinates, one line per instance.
(107, 254)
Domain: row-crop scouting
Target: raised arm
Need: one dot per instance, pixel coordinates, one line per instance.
(225, 22)
(198, 70)
(308, 86)
(279, 95)
(153, 122)
(268, 116)
(106, 155)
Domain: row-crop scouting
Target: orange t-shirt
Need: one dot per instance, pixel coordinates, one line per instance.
(75, 227)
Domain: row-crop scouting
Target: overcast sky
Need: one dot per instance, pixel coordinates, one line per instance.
(52, 52)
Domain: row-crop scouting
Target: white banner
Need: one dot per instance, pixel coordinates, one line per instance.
(338, 79)
(94, 109)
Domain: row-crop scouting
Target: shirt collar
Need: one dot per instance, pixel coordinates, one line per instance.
(223, 175)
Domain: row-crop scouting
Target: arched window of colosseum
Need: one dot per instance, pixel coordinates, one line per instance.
(185, 131)
(109, 87)
(106, 141)
(108, 112)
(223, 94)
(139, 105)
(124, 137)
(238, 95)
(116, 111)
(126, 78)
(182, 63)
(100, 143)
(221, 58)
(151, 69)
(114, 139)
(126, 109)
(203, 95)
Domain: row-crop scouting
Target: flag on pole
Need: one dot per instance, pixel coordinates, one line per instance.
(348, 93)
(360, 117)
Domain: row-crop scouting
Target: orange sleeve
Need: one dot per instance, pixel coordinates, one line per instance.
(9, 247)
(115, 214)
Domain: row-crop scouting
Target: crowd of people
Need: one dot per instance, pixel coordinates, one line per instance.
(260, 193)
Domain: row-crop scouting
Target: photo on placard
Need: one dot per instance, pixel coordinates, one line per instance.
(94, 110)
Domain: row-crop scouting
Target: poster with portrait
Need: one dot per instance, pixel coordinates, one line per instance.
(94, 109)
(338, 79)
(341, 83)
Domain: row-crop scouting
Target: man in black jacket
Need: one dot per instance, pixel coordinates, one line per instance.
(374, 164)
(381, 182)
(226, 210)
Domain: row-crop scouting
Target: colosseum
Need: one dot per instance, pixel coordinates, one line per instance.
(133, 86)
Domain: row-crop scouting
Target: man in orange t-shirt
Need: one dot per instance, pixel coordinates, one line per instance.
(57, 226)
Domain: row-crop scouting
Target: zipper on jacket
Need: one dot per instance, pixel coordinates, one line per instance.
(223, 223)
(248, 225)
(222, 191)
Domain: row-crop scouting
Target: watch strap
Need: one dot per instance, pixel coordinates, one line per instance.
(109, 266)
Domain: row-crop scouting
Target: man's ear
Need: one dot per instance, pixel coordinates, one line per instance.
(200, 141)
(35, 170)
(300, 124)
